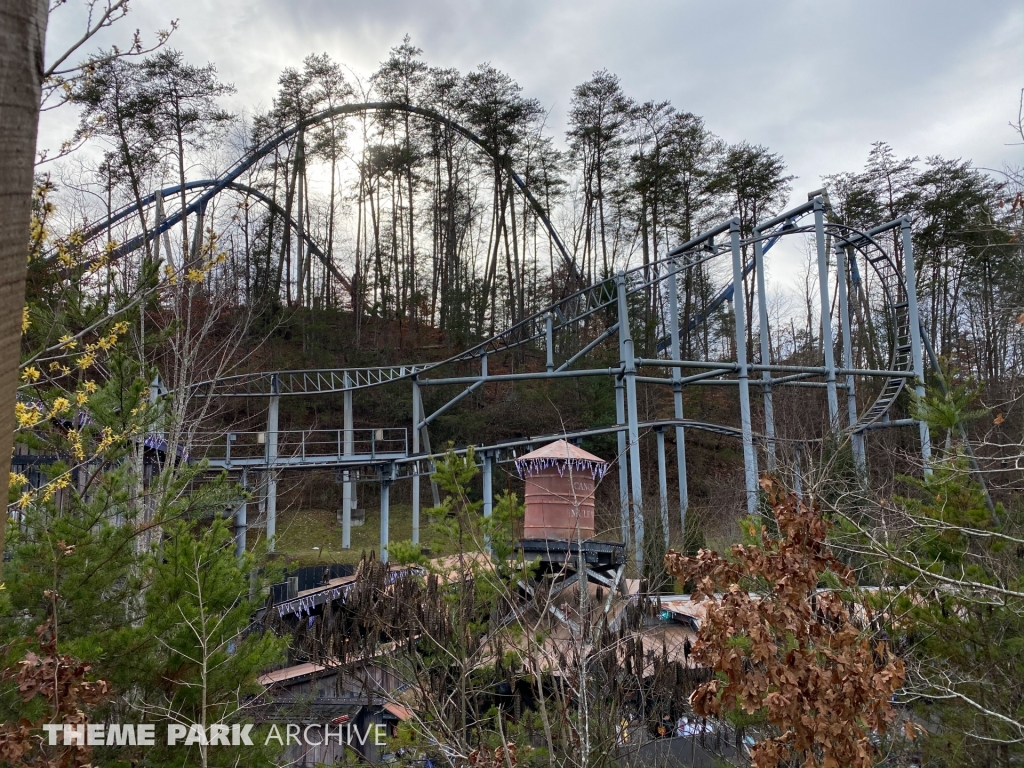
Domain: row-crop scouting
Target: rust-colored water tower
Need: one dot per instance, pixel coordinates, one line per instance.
(560, 481)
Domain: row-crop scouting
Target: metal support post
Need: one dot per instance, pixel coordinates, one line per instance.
(271, 509)
(915, 337)
(240, 520)
(434, 491)
(634, 451)
(620, 436)
(549, 340)
(417, 417)
(488, 493)
(632, 420)
(739, 313)
(857, 438)
(347, 485)
(386, 476)
(261, 499)
(272, 414)
(677, 394)
(766, 352)
(826, 314)
(662, 483)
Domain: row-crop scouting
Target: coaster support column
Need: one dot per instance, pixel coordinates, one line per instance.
(826, 314)
(620, 446)
(240, 519)
(857, 438)
(348, 448)
(549, 339)
(662, 483)
(677, 394)
(488, 492)
(632, 420)
(272, 425)
(417, 417)
(739, 313)
(915, 337)
(766, 351)
(387, 475)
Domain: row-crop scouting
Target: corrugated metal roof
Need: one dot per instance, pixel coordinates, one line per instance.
(402, 713)
(684, 608)
(290, 673)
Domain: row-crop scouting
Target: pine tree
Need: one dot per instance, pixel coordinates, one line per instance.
(208, 653)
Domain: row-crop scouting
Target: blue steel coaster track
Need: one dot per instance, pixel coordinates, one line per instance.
(585, 308)
(575, 310)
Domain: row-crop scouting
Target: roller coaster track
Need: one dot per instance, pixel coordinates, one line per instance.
(314, 455)
(577, 308)
(566, 312)
(569, 312)
(164, 194)
(897, 305)
(230, 177)
(588, 317)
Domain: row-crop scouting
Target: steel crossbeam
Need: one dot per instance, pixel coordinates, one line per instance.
(593, 316)
(581, 322)
(502, 452)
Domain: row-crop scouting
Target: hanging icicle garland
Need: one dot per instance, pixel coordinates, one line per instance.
(532, 467)
(306, 604)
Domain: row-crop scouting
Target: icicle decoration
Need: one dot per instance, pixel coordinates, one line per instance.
(306, 604)
(531, 467)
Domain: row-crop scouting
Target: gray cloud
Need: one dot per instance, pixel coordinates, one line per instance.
(817, 82)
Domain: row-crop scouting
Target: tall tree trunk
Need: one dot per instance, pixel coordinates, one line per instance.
(182, 194)
(300, 186)
(410, 304)
(328, 293)
(436, 265)
(600, 208)
(284, 263)
(22, 34)
(645, 249)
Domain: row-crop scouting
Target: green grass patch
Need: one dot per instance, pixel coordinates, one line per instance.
(299, 531)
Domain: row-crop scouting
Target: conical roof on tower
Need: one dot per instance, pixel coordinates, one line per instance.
(561, 449)
(561, 455)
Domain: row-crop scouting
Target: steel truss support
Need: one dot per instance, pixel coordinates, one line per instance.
(628, 362)
(271, 439)
(421, 430)
(417, 417)
(677, 394)
(595, 302)
(915, 336)
(620, 445)
(662, 484)
(240, 519)
(856, 438)
(739, 312)
(766, 353)
(826, 313)
(549, 341)
(488, 492)
(387, 475)
(348, 486)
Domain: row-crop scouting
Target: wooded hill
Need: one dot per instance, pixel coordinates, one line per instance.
(358, 233)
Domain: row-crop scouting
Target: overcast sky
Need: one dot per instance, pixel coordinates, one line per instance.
(815, 81)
